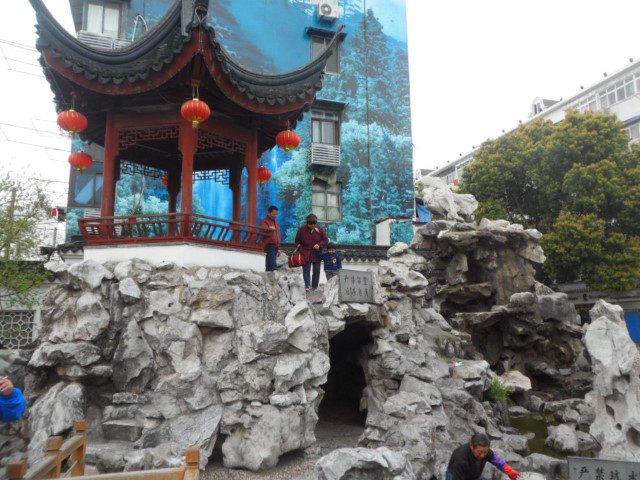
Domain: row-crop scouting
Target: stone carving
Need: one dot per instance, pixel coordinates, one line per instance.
(443, 203)
(616, 386)
(363, 463)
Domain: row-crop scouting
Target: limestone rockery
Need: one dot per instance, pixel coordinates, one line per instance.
(161, 357)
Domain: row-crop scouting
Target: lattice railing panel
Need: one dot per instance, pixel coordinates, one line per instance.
(131, 168)
(220, 176)
(129, 138)
(16, 328)
(207, 140)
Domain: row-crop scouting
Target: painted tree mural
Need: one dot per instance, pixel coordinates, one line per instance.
(376, 172)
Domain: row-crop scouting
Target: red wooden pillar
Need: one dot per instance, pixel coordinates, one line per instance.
(111, 150)
(252, 169)
(188, 147)
(173, 188)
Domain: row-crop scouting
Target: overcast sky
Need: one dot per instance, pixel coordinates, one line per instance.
(475, 68)
(477, 65)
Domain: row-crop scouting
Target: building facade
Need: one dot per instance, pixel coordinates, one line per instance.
(617, 94)
(354, 165)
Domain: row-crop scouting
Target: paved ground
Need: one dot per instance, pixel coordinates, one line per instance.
(331, 433)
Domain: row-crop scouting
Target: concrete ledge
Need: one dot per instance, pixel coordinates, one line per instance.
(182, 254)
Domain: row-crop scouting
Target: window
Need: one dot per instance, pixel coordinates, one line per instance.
(16, 328)
(325, 127)
(620, 91)
(634, 131)
(449, 179)
(537, 108)
(318, 44)
(86, 189)
(326, 202)
(103, 18)
(589, 104)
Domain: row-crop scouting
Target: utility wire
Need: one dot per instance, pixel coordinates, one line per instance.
(13, 125)
(17, 44)
(40, 146)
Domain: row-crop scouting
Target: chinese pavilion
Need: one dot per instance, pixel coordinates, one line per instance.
(132, 97)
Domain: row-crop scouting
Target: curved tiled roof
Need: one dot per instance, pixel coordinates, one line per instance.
(155, 52)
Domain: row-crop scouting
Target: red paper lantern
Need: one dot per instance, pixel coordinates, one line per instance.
(288, 140)
(195, 111)
(264, 175)
(165, 180)
(80, 160)
(72, 121)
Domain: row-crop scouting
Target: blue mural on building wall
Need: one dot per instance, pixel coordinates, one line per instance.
(376, 149)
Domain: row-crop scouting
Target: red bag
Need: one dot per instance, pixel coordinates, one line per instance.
(297, 260)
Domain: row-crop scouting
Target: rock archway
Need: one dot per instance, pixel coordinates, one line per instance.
(346, 379)
(342, 413)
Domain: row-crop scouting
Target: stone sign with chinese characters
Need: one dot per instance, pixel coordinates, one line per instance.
(596, 469)
(356, 286)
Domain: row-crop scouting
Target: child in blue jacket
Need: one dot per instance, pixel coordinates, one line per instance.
(332, 261)
(12, 401)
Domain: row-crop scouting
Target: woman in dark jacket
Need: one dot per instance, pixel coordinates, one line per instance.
(311, 239)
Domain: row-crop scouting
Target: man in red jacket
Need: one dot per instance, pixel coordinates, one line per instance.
(271, 231)
(311, 239)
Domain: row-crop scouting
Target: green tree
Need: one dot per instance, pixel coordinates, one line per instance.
(577, 182)
(23, 206)
(507, 177)
(583, 247)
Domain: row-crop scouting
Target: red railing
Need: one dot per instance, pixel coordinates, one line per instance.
(170, 227)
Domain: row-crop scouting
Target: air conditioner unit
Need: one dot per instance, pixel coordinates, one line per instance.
(329, 10)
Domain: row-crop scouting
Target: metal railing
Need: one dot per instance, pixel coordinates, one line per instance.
(325, 154)
(102, 42)
(171, 227)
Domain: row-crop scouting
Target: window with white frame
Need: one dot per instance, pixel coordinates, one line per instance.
(103, 18)
(621, 90)
(326, 202)
(634, 131)
(325, 127)
(318, 45)
(16, 328)
(589, 104)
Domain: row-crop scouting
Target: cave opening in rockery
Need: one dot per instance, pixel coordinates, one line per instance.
(340, 411)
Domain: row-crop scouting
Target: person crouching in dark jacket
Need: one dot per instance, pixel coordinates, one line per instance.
(332, 261)
(468, 460)
(311, 239)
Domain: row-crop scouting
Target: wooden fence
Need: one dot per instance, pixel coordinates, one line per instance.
(70, 454)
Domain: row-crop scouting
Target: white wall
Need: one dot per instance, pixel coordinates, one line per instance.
(383, 232)
(627, 109)
(186, 255)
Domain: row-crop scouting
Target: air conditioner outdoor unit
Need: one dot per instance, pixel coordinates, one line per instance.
(329, 10)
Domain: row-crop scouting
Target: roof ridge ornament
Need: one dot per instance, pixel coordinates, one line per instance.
(194, 13)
